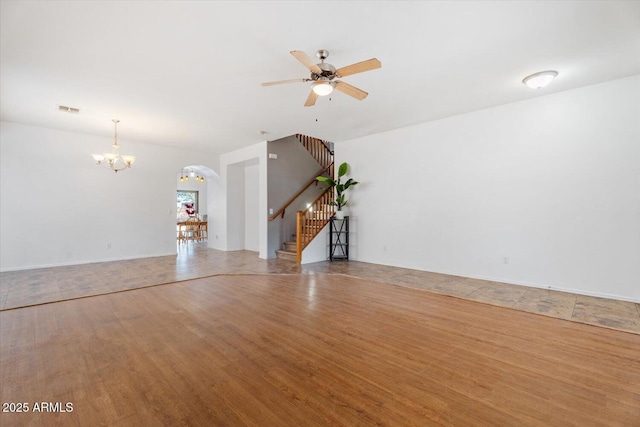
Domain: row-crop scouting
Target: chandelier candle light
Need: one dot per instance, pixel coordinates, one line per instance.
(114, 160)
(184, 176)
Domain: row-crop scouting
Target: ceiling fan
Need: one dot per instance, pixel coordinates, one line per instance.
(323, 76)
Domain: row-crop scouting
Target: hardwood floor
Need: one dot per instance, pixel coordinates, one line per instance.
(321, 349)
(39, 286)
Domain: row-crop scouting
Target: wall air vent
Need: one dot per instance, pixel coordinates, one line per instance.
(66, 109)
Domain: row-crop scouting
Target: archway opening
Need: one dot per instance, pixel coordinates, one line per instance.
(194, 205)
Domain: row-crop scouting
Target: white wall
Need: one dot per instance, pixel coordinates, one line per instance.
(58, 207)
(552, 184)
(229, 193)
(318, 249)
(235, 225)
(252, 207)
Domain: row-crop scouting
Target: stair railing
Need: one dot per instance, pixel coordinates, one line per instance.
(311, 221)
(318, 149)
(281, 211)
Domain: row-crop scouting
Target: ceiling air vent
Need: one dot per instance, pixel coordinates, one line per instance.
(66, 109)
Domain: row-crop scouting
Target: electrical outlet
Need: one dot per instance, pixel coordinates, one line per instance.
(270, 211)
(109, 245)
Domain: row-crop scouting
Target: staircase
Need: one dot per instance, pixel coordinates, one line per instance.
(314, 222)
(289, 252)
(311, 221)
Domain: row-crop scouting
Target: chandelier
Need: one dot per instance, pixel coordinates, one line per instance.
(114, 160)
(184, 176)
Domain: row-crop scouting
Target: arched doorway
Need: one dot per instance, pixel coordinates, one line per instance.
(194, 201)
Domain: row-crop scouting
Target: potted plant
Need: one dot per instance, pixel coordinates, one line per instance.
(340, 200)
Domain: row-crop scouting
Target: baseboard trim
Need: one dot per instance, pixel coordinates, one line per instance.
(95, 261)
(556, 288)
(524, 283)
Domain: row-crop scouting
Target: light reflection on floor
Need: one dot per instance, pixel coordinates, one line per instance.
(194, 260)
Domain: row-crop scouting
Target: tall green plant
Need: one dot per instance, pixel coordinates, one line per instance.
(339, 186)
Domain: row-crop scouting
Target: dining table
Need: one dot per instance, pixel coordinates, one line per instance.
(192, 229)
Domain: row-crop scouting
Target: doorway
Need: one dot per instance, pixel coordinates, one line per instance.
(243, 199)
(193, 203)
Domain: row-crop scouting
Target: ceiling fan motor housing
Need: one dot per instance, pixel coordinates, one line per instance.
(328, 72)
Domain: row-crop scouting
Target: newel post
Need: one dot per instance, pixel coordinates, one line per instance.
(299, 237)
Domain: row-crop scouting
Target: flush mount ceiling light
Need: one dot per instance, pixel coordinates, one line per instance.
(114, 160)
(323, 87)
(539, 80)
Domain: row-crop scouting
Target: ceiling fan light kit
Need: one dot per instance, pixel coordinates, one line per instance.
(323, 76)
(540, 80)
(323, 88)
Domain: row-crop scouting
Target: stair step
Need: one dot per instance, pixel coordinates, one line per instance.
(286, 255)
(290, 246)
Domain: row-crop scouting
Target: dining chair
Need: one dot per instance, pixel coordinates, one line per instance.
(192, 229)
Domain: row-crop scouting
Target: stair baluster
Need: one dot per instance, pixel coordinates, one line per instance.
(311, 221)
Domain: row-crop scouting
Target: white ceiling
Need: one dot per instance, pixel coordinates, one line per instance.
(188, 73)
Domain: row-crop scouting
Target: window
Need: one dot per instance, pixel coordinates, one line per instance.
(187, 203)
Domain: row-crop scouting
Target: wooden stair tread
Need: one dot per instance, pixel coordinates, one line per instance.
(286, 255)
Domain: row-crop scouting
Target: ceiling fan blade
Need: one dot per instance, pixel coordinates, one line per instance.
(353, 91)
(306, 61)
(360, 67)
(281, 82)
(311, 100)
